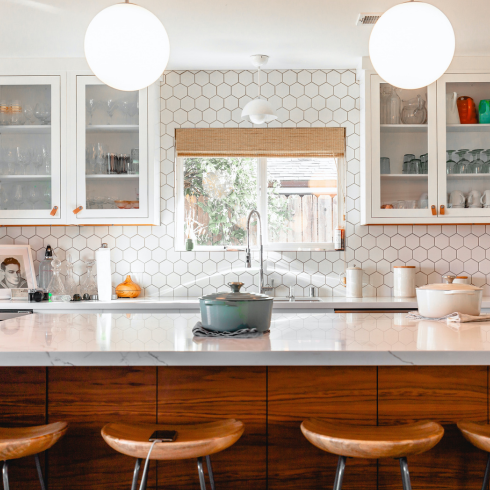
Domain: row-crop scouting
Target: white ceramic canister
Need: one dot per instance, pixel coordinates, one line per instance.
(404, 281)
(461, 280)
(353, 280)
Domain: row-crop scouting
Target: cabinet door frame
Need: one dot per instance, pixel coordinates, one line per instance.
(28, 217)
(464, 215)
(398, 216)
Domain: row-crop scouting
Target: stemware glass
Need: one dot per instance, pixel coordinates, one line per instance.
(4, 113)
(125, 105)
(23, 159)
(450, 163)
(46, 159)
(111, 106)
(47, 195)
(486, 163)
(29, 114)
(91, 106)
(4, 197)
(134, 109)
(33, 195)
(476, 166)
(18, 196)
(42, 112)
(463, 163)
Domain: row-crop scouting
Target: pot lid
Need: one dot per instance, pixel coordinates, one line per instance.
(450, 287)
(225, 296)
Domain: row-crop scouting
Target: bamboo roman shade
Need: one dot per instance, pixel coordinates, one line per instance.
(254, 142)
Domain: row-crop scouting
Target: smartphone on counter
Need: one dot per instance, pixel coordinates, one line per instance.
(163, 435)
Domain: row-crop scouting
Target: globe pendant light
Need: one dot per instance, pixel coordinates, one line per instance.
(126, 46)
(259, 111)
(412, 45)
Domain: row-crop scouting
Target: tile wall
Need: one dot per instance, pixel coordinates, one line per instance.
(304, 99)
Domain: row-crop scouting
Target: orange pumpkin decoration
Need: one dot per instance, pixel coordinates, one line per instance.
(128, 289)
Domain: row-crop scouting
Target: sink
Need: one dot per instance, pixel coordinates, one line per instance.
(297, 300)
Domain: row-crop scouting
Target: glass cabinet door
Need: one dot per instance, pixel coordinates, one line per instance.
(111, 151)
(30, 148)
(404, 162)
(464, 145)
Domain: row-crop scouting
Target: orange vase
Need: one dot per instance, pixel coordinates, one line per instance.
(128, 289)
(467, 110)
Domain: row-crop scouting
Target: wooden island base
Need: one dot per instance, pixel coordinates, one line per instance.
(271, 401)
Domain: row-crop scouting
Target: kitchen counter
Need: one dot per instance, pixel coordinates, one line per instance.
(176, 303)
(309, 337)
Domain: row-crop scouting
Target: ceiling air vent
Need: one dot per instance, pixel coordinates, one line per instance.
(368, 19)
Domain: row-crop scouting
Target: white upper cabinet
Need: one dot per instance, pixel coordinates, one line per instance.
(30, 150)
(419, 164)
(75, 151)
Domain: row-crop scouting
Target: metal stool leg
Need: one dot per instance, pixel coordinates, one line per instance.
(487, 474)
(136, 473)
(405, 474)
(200, 470)
(5, 474)
(39, 472)
(339, 475)
(210, 472)
(144, 478)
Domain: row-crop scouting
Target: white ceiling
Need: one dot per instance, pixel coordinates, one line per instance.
(221, 34)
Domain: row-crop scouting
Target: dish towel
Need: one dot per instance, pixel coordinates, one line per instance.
(243, 333)
(455, 317)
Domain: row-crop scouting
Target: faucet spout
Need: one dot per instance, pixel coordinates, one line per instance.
(248, 260)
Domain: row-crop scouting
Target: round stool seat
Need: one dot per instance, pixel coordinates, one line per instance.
(478, 433)
(372, 442)
(18, 442)
(193, 440)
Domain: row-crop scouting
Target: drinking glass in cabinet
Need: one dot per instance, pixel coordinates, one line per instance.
(476, 165)
(415, 166)
(463, 163)
(487, 161)
(110, 107)
(450, 163)
(16, 115)
(91, 106)
(424, 159)
(407, 158)
(385, 165)
(43, 113)
(29, 114)
(135, 161)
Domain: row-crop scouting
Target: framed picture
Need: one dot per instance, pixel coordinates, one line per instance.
(16, 268)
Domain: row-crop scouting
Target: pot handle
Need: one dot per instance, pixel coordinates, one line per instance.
(225, 303)
(459, 292)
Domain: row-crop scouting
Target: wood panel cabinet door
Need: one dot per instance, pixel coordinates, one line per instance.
(205, 394)
(343, 394)
(444, 394)
(88, 398)
(23, 403)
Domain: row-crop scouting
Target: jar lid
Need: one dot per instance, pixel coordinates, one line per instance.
(225, 296)
(403, 267)
(354, 268)
(451, 287)
(461, 277)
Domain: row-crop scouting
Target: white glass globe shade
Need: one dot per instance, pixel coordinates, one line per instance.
(126, 46)
(412, 45)
(259, 111)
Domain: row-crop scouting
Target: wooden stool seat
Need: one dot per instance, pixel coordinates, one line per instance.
(372, 442)
(19, 442)
(478, 433)
(193, 440)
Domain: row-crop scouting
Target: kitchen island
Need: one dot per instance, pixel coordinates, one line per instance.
(361, 368)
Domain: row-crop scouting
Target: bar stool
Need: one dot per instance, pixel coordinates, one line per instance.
(352, 441)
(478, 433)
(193, 441)
(19, 442)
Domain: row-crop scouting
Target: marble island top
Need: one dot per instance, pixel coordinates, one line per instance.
(308, 337)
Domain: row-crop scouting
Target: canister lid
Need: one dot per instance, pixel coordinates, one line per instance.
(225, 296)
(450, 287)
(354, 268)
(403, 267)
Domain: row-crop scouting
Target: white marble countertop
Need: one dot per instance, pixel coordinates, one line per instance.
(309, 337)
(176, 303)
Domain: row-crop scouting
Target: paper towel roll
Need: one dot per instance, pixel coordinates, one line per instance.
(104, 282)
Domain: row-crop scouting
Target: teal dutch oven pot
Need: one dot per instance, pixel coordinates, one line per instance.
(228, 312)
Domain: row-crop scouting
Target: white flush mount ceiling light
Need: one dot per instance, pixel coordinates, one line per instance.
(412, 45)
(259, 111)
(126, 46)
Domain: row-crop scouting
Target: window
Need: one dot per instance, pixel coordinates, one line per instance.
(299, 205)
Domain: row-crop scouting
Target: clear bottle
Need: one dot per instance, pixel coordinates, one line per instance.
(56, 286)
(394, 107)
(88, 284)
(46, 269)
(70, 283)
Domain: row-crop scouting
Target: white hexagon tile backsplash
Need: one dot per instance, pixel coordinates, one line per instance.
(305, 98)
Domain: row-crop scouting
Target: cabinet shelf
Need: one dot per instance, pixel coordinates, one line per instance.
(404, 176)
(404, 128)
(468, 128)
(27, 129)
(467, 176)
(112, 176)
(113, 128)
(25, 177)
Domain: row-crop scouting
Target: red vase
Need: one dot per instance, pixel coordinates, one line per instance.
(467, 110)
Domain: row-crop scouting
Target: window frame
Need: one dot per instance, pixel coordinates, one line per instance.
(179, 243)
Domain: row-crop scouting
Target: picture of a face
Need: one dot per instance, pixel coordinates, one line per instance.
(11, 273)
